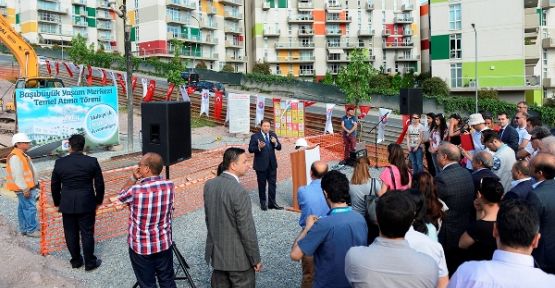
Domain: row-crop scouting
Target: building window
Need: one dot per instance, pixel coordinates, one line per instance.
(544, 18)
(456, 75)
(455, 48)
(455, 16)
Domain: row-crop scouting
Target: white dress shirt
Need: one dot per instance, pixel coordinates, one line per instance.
(424, 244)
(234, 176)
(506, 270)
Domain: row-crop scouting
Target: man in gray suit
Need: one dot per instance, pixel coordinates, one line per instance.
(543, 169)
(231, 242)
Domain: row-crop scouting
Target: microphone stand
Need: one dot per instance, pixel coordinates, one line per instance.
(376, 137)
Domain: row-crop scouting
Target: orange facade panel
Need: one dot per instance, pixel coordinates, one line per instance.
(424, 10)
(319, 15)
(319, 29)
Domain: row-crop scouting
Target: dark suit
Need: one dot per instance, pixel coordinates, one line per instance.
(523, 191)
(545, 253)
(231, 242)
(265, 164)
(478, 175)
(456, 188)
(77, 188)
(509, 136)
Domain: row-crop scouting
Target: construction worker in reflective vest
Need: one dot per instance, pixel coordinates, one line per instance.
(23, 181)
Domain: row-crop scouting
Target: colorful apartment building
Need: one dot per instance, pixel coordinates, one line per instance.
(56, 22)
(212, 31)
(309, 38)
(508, 46)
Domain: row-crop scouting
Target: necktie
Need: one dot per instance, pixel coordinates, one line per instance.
(267, 139)
(501, 133)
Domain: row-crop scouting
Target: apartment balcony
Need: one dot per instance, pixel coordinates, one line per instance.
(548, 43)
(531, 20)
(370, 5)
(271, 32)
(302, 6)
(407, 58)
(408, 33)
(347, 19)
(103, 15)
(306, 32)
(52, 9)
(546, 4)
(333, 32)
(548, 83)
(182, 4)
(398, 45)
(407, 7)
(208, 25)
(233, 29)
(211, 10)
(333, 71)
(403, 20)
(306, 72)
(235, 59)
(104, 37)
(232, 2)
(531, 4)
(104, 26)
(334, 6)
(366, 33)
(80, 23)
(47, 18)
(78, 2)
(266, 6)
(3, 3)
(230, 15)
(290, 59)
(293, 45)
(233, 44)
(531, 54)
(386, 32)
(300, 19)
(177, 20)
(343, 45)
(101, 4)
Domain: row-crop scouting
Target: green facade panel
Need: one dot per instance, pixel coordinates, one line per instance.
(17, 20)
(91, 12)
(440, 47)
(133, 35)
(272, 3)
(491, 74)
(259, 29)
(91, 22)
(282, 3)
(438, 1)
(534, 97)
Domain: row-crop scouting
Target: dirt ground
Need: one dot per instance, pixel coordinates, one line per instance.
(20, 267)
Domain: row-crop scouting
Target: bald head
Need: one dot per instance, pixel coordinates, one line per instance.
(482, 159)
(543, 166)
(318, 169)
(451, 151)
(154, 161)
(548, 145)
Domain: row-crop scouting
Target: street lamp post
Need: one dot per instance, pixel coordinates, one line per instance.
(475, 64)
(192, 53)
(122, 13)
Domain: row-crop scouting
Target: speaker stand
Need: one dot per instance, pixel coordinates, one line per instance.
(167, 172)
(376, 138)
(182, 267)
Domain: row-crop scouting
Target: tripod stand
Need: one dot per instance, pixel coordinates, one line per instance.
(376, 137)
(181, 268)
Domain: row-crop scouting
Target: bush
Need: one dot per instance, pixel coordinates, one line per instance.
(328, 79)
(435, 86)
(201, 65)
(261, 68)
(485, 93)
(380, 81)
(228, 68)
(549, 102)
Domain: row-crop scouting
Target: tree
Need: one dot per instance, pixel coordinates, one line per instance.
(354, 79)
(201, 65)
(261, 68)
(485, 93)
(79, 53)
(328, 79)
(380, 81)
(175, 66)
(435, 86)
(228, 68)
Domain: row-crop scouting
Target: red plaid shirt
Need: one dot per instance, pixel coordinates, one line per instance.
(150, 220)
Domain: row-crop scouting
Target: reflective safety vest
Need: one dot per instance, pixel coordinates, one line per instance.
(27, 171)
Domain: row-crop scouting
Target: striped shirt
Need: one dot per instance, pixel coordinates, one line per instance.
(151, 208)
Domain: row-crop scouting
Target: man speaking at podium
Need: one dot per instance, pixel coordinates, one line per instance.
(263, 144)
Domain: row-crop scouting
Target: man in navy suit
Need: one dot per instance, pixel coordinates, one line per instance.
(522, 186)
(78, 189)
(507, 133)
(481, 168)
(263, 144)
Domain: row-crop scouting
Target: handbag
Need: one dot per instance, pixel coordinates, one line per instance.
(371, 199)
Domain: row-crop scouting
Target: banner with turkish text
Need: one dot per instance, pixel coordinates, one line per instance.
(239, 113)
(205, 102)
(260, 105)
(329, 114)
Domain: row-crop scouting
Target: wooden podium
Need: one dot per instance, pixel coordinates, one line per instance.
(301, 160)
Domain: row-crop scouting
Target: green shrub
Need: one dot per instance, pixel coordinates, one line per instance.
(228, 68)
(261, 68)
(485, 93)
(435, 86)
(380, 81)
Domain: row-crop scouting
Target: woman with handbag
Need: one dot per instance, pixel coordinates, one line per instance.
(363, 191)
(396, 176)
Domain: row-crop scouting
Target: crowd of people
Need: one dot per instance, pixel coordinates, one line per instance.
(462, 203)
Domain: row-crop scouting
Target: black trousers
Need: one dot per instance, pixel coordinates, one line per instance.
(233, 279)
(431, 166)
(76, 225)
(263, 177)
(149, 267)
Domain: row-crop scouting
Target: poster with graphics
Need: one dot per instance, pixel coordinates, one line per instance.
(289, 117)
(50, 115)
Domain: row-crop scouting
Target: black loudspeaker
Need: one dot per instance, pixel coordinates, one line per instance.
(410, 101)
(166, 129)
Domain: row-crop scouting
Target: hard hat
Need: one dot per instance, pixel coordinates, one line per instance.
(301, 142)
(20, 138)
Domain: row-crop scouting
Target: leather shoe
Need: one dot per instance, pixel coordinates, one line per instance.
(263, 207)
(96, 265)
(77, 265)
(275, 207)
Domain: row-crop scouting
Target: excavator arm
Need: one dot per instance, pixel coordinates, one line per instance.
(23, 52)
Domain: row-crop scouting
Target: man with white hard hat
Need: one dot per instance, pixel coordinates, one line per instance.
(477, 122)
(22, 179)
(301, 144)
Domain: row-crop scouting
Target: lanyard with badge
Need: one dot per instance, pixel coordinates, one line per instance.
(340, 210)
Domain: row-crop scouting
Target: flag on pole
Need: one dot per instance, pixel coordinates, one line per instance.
(204, 104)
(184, 94)
(260, 105)
(122, 83)
(150, 91)
(133, 82)
(384, 115)
(48, 68)
(104, 77)
(90, 75)
(113, 76)
(69, 72)
(329, 113)
(57, 68)
(218, 104)
(171, 86)
(144, 81)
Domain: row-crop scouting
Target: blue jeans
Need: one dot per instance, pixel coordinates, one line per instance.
(27, 212)
(416, 160)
